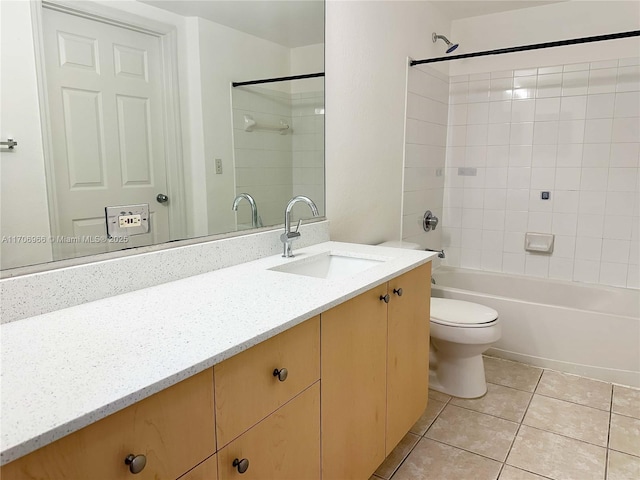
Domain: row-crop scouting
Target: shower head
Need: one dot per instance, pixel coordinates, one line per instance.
(451, 46)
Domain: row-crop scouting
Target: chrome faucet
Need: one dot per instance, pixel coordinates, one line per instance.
(439, 252)
(255, 222)
(288, 236)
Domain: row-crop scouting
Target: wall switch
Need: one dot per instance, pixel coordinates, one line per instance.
(218, 166)
(127, 220)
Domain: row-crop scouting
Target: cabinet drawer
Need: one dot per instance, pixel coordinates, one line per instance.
(207, 470)
(174, 429)
(246, 389)
(284, 446)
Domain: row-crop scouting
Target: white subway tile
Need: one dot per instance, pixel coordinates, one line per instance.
(452, 179)
(493, 220)
(451, 237)
(623, 179)
(571, 131)
(482, 76)
(477, 134)
(543, 178)
(471, 259)
(587, 271)
(568, 178)
(600, 106)
(514, 242)
(523, 110)
(492, 240)
(475, 181)
(634, 253)
(458, 92)
(513, 263)
(518, 200)
(615, 251)
(458, 114)
(625, 155)
(573, 108)
(539, 222)
(613, 274)
(588, 248)
(495, 178)
(598, 130)
(518, 177)
(500, 89)
(602, 81)
(545, 133)
(495, 198)
(592, 202)
(472, 219)
(457, 135)
(575, 67)
(478, 113)
(628, 79)
(471, 239)
(549, 85)
(500, 112)
(547, 109)
(564, 223)
(590, 225)
(525, 72)
(491, 261)
(617, 227)
(516, 221)
(459, 78)
(524, 87)
(453, 257)
(473, 198)
(537, 265)
(620, 203)
(497, 156)
(479, 91)
(596, 155)
(502, 74)
(521, 133)
(626, 130)
(499, 134)
(564, 246)
(575, 83)
(566, 201)
(604, 64)
(561, 268)
(520, 155)
(545, 155)
(548, 70)
(594, 179)
(626, 62)
(537, 204)
(627, 104)
(453, 197)
(452, 217)
(456, 156)
(475, 156)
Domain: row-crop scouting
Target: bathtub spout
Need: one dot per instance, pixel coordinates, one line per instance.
(440, 252)
(433, 280)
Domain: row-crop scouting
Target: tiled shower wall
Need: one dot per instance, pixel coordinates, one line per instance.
(571, 130)
(425, 153)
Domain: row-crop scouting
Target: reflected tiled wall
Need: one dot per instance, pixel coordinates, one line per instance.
(571, 130)
(425, 153)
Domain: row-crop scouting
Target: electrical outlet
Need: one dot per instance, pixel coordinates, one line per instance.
(127, 220)
(130, 221)
(218, 166)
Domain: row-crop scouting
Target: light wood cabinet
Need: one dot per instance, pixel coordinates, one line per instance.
(174, 429)
(407, 352)
(283, 446)
(246, 389)
(353, 371)
(207, 470)
(374, 370)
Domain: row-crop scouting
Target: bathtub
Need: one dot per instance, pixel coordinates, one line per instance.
(587, 330)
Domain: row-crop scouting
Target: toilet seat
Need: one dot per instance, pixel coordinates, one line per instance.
(458, 313)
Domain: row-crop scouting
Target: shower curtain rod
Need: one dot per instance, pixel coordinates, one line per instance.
(277, 79)
(536, 46)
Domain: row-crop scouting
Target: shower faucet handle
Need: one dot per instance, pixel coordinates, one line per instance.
(429, 221)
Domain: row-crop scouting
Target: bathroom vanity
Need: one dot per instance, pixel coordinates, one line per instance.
(296, 377)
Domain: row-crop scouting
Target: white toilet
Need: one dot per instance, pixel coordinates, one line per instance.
(460, 332)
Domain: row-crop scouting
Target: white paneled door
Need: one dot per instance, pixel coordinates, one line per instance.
(104, 86)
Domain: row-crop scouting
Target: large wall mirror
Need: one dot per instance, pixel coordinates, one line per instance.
(156, 102)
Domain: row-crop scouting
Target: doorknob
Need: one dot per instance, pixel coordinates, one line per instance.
(162, 198)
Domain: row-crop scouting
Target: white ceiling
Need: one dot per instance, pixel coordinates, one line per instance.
(290, 23)
(455, 9)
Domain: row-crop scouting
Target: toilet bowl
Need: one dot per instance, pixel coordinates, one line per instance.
(460, 333)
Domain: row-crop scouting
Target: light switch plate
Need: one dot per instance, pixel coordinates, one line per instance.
(127, 220)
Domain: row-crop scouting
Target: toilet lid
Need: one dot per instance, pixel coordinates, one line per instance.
(447, 311)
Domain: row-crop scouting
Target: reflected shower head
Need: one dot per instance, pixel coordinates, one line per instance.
(451, 46)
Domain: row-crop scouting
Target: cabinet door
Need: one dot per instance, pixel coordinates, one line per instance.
(174, 429)
(408, 352)
(283, 446)
(353, 371)
(207, 470)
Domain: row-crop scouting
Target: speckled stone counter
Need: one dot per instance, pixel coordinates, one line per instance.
(64, 370)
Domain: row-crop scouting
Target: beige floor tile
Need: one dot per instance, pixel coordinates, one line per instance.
(434, 407)
(512, 473)
(473, 431)
(441, 397)
(626, 401)
(572, 388)
(625, 434)
(569, 419)
(623, 466)
(503, 402)
(431, 460)
(555, 456)
(397, 455)
(511, 374)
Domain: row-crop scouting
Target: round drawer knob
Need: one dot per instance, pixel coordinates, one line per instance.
(385, 298)
(282, 374)
(241, 465)
(136, 462)
(397, 291)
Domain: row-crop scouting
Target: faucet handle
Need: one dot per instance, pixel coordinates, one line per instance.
(298, 226)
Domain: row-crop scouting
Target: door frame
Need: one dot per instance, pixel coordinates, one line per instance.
(172, 129)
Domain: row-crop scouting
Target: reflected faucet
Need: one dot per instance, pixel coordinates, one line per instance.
(255, 222)
(439, 252)
(288, 236)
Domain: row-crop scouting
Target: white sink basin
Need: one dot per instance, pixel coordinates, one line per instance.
(329, 265)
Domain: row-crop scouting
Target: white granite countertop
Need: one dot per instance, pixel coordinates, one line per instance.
(64, 370)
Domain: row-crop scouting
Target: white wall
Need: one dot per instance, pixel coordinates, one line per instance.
(23, 191)
(367, 44)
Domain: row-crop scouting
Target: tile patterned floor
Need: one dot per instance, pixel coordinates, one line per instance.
(533, 424)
